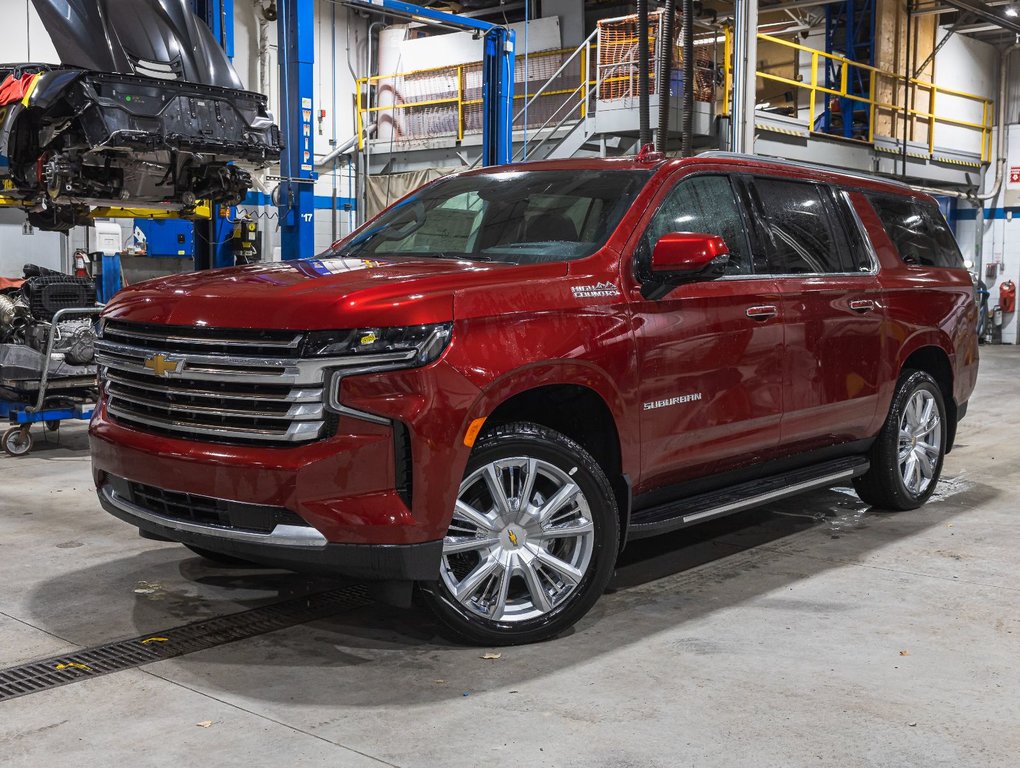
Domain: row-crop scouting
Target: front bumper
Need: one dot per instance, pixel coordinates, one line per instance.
(341, 492)
(293, 547)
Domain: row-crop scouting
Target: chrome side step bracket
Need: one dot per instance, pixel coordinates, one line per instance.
(707, 506)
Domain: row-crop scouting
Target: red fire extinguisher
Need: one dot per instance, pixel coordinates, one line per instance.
(81, 264)
(1007, 296)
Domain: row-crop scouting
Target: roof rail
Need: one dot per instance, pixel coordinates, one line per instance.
(721, 155)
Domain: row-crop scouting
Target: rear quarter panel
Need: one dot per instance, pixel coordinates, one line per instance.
(925, 306)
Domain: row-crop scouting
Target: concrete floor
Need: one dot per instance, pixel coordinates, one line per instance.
(815, 632)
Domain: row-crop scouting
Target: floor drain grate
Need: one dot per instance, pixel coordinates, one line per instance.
(42, 675)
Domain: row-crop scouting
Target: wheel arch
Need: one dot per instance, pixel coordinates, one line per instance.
(935, 361)
(583, 413)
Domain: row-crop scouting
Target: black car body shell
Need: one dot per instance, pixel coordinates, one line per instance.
(145, 110)
(139, 37)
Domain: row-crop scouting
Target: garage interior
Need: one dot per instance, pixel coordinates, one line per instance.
(807, 631)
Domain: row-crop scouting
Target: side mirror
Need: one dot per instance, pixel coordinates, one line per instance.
(681, 257)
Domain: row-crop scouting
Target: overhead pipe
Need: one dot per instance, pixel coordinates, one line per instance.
(665, 75)
(644, 130)
(1000, 160)
(688, 114)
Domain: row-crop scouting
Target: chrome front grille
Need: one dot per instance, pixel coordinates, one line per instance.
(234, 386)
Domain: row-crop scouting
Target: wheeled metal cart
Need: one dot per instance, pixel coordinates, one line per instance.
(17, 440)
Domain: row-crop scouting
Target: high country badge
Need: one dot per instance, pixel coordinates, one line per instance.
(597, 291)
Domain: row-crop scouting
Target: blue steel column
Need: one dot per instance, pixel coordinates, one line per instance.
(297, 166)
(498, 96)
(219, 16)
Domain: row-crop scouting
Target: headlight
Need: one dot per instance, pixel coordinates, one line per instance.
(412, 345)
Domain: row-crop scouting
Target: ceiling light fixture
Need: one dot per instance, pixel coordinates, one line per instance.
(1012, 11)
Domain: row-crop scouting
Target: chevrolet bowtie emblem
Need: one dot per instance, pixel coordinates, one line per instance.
(513, 537)
(162, 366)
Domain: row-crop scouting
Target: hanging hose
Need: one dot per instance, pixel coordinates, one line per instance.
(665, 76)
(688, 11)
(644, 131)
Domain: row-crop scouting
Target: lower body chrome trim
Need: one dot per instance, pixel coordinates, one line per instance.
(281, 535)
(754, 501)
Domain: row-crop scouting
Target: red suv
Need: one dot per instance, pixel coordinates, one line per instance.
(491, 387)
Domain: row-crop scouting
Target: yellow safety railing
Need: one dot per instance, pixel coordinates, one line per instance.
(460, 99)
(930, 117)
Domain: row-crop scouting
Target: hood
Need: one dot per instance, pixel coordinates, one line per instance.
(163, 39)
(320, 294)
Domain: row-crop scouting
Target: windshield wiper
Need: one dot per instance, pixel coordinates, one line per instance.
(456, 256)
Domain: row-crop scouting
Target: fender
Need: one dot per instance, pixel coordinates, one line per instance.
(929, 337)
(576, 373)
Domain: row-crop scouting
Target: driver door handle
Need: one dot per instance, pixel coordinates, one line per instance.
(762, 312)
(862, 305)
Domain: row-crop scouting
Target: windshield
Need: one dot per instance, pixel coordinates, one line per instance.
(521, 217)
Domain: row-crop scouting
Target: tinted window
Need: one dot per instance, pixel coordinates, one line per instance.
(703, 204)
(918, 230)
(802, 225)
(522, 217)
(861, 255)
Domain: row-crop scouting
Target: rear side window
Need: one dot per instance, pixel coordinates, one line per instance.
(803, 227)
(919, 231)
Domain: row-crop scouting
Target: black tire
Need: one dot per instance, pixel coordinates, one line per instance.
(559, 454)
(220, 558)
(883, 486)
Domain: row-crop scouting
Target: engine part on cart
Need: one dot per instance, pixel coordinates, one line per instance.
(8, 311)
(20, 364)
(15, 318)
(48, 294)
(26, 328)
(34, 270)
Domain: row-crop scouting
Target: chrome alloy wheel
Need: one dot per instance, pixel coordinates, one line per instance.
(920, 441)
(521, 540)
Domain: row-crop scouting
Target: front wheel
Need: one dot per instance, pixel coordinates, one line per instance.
(533, 540)
(906, 460)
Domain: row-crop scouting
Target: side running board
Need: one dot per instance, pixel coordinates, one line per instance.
(695, 509)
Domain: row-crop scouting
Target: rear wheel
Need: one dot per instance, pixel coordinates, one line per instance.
(533, 540)
(907, 458)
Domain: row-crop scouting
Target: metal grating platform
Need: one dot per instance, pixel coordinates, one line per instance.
(100, 660)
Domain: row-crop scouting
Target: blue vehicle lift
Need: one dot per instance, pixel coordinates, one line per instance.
(296, 40)
(296, 25)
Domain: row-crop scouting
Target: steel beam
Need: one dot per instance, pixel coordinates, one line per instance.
(984, 11)
(745, 57)
(296, 28)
